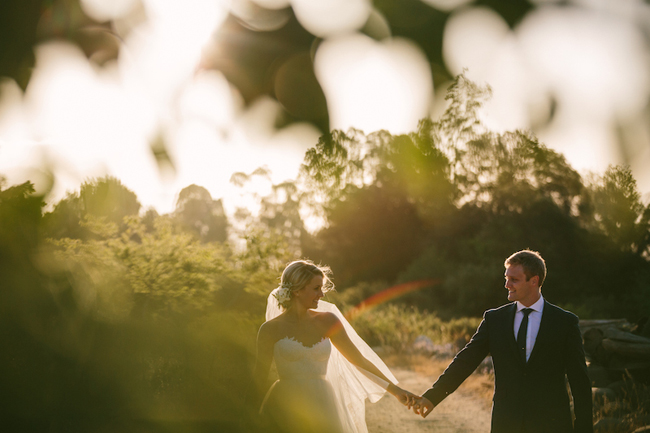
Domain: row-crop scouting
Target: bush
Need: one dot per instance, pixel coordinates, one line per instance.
(397, 327)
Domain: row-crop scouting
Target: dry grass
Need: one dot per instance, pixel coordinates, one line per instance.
(479, 385)
(628, 411)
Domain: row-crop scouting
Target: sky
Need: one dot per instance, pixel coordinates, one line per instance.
(77, 120)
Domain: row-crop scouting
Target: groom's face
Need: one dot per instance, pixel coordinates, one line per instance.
(519, 288)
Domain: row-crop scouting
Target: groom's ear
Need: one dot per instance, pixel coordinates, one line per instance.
(536, 279)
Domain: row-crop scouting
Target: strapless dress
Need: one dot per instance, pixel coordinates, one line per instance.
(302, 400)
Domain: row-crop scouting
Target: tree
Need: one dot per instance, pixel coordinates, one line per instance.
(197, 212)
(450, 201)
(104, 198)
(381, 196)
(619, 212)
(138, 272)
(280, 213)
(373, 233)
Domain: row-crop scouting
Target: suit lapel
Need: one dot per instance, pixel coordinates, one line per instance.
(543, 334)
(511, 332)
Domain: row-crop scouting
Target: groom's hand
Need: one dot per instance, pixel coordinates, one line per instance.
(402, 395)
(422, 406)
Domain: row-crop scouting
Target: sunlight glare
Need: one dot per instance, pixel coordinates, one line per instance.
(471, 37)
(259, 18)
(205, 158)
(273, 4)
(69, 106)
(446, 5)
(202, 157)
(162, 54)
(325, 18)
(85, 119)
(373, 85)
(287, 149)
(18, 151)
(210, 98)
(490, 53)
(586, 145)
(264, 145)
(595, 63)
(13, 123)
(102, 10)
(192, 21)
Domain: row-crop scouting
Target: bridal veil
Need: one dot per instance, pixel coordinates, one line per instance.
(352, 385)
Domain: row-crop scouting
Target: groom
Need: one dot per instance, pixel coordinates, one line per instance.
(533, 344)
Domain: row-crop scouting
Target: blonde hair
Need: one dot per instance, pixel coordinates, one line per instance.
(532, 263)
(299, 273)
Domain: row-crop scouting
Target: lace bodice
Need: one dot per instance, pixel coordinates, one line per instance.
(294, 360)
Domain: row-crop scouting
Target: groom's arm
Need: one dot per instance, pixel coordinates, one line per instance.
(576, 370)
(464, 363)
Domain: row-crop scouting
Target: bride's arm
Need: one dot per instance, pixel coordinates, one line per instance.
(340, 339)
(262, 362)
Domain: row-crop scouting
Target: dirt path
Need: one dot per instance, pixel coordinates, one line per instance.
(459, 413)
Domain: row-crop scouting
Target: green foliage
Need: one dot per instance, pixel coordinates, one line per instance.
(361, 246)
(135, 325)
(452, 200)
(337, 160)
(121, 316)
(398, 326)
(508, 171)
(104, 198)
(280, 213)
(460, 122)
(355, 295)
(161, 271)
(619, 213)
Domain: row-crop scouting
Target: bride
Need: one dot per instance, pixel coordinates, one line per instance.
(326, 370)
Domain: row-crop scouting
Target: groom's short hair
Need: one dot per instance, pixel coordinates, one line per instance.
(532, 263)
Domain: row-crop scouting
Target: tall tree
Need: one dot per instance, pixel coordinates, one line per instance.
(619, 212)
(199, 213)
(105, 199)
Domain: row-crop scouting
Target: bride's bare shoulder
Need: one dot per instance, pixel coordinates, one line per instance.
(326, 317)
(273, 329)
(270, 328)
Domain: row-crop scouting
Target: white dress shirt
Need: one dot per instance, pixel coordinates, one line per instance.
(534, 319)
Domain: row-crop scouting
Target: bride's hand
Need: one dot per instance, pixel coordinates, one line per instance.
(403, 396)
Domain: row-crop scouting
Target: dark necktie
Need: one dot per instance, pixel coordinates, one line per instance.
(523, 331)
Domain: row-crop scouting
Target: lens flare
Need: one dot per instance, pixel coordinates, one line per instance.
(390, 294)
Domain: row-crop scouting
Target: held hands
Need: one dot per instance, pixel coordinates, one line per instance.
(403, 396)
(422, 406)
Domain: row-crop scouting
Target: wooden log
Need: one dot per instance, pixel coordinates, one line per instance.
(618, 335)
(618, 323)
(611, 424)
(598, 375)
(601, 396)
(624, 348)
(592, 339)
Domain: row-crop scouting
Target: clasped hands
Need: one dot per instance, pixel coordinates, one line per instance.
(420, 405)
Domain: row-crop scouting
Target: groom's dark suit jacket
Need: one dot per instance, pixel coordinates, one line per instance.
(529, 397)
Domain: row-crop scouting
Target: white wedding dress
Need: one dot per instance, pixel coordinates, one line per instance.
(302, 400)
(319, 391)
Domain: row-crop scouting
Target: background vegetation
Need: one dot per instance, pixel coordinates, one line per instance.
(114, 317)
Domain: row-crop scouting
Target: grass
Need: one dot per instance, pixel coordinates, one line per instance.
(628, 411)
(397, 327)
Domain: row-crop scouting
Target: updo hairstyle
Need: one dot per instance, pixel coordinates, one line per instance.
(299, 273)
